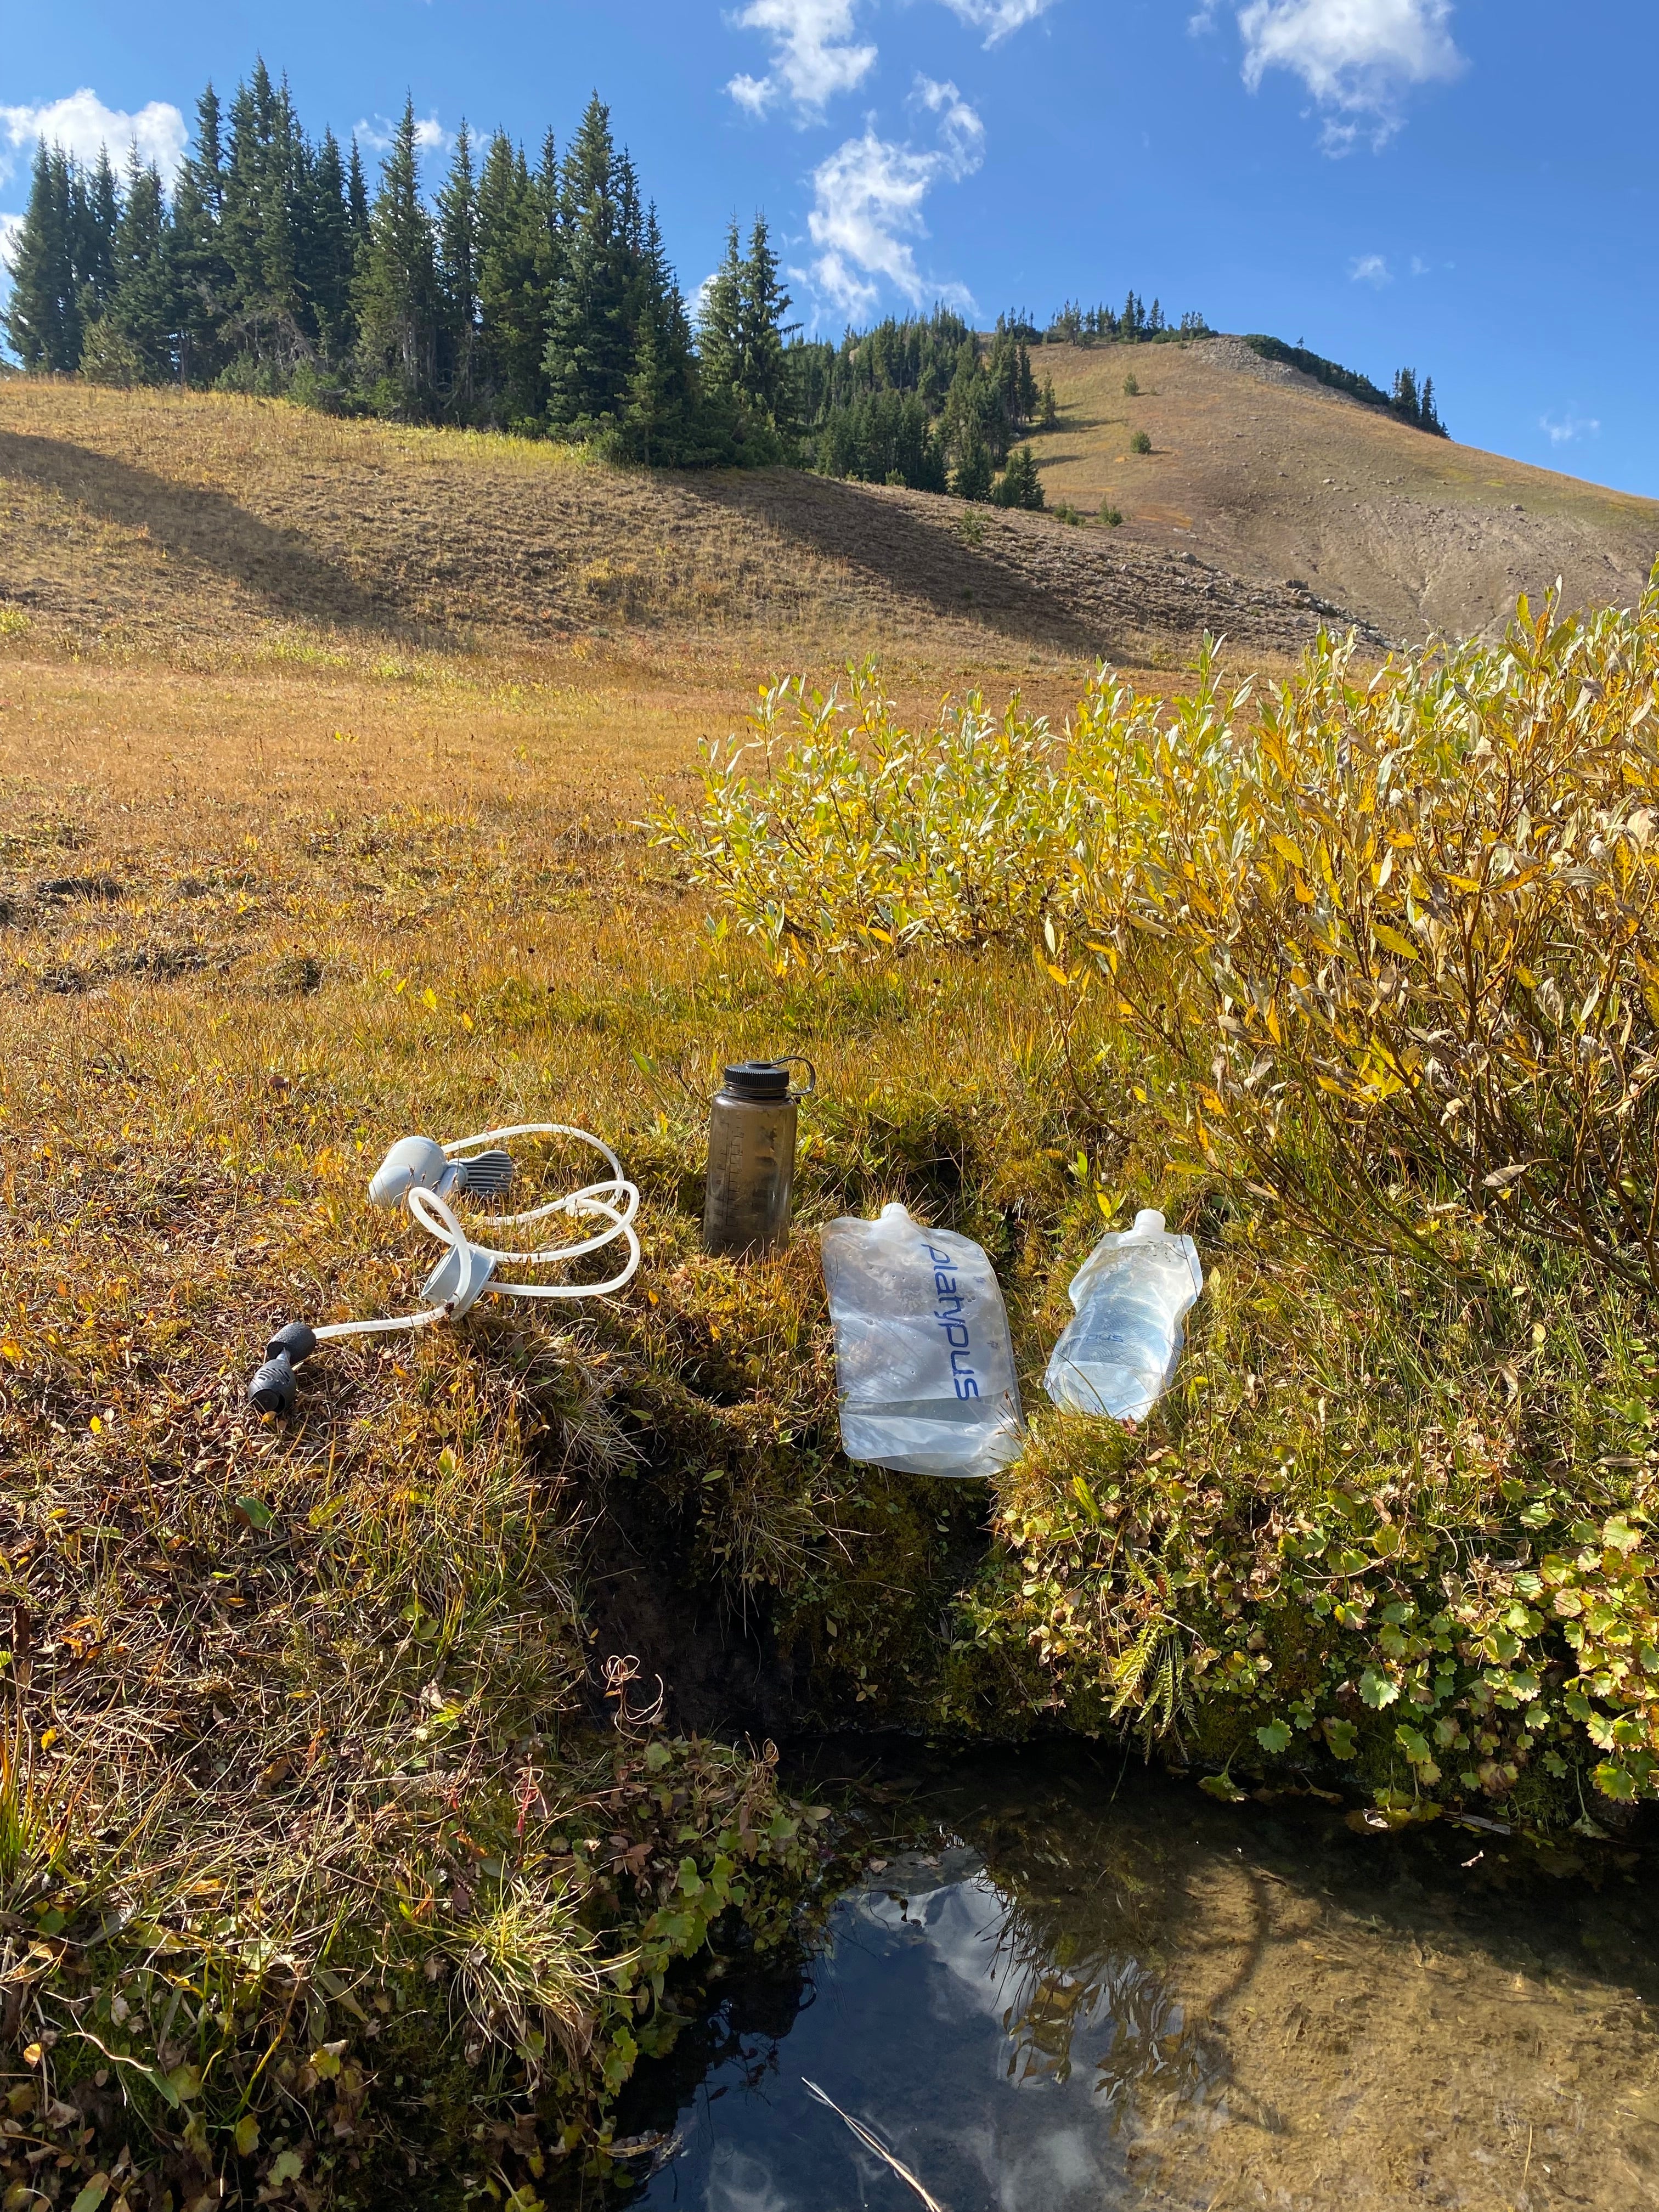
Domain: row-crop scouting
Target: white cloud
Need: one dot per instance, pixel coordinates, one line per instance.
(754, 93)
(961, 132)
(998, 19)
(430, 137)
(81, 125)
(1570, 427)
(1371, 269)
(813, 56)
(868, 203)
(1356, 56)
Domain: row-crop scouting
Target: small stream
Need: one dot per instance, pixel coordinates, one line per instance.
(1080, 1985)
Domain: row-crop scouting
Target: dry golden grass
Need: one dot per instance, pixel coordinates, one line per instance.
(200, 525)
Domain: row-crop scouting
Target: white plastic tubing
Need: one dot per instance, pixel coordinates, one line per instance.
(613, 1202)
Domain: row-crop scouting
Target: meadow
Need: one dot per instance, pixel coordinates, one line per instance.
(313, 1785)
(377, 1783)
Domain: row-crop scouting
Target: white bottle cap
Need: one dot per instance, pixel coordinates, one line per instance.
(1149, 1222)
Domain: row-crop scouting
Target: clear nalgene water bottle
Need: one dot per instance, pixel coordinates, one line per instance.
(924, 1366)
(1132, 1295)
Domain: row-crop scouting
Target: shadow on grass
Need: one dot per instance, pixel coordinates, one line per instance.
(925, 561)
(195, 522)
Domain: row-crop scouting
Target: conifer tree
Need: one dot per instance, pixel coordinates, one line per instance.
(1026, 389)
(457, 272)
(720, 318)
(1019, 485)
(513, 251)
(330, 258)
(138, 324)
(95, 209)
(589, 355)
(659, 417)
(264, 192)
(357, 197)
(744, 364)
(396, 295)
(201, 272)
(42, 315)
(973, 476)
(764, 373)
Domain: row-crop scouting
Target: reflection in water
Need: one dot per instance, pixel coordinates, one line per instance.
(1097, 1990)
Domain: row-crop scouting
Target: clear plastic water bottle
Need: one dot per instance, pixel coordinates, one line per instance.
(924, 1364)
(1131, 1294)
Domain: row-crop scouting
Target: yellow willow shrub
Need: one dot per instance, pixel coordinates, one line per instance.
(1396, 940)
(831, 828)
(1387, 940)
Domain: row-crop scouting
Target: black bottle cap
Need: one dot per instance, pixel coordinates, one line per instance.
(757, 1078)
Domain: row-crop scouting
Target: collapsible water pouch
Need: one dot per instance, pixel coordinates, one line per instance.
(925, 1369)
(1131, 1294)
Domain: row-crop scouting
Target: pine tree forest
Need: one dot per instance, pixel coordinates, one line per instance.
(533, 295)
(528, 293)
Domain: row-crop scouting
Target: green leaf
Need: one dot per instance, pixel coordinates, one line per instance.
(1343, 1739)
(254, 1511)
(93, 2195)
(1415, 1745)
(1614, 1781)
(1274, 1738)
(1222, 1786)
(246, 2136)
(1377, 1690)
(287, 2166)
(186, 2083)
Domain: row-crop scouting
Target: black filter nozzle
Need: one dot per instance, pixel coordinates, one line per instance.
(271, 1390)
(295, 1341)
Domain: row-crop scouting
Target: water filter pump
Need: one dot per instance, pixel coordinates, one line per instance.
(425, 1177)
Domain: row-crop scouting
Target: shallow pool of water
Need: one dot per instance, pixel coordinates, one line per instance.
(1093, 1987)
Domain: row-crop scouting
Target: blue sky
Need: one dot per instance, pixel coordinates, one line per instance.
(1469, 188)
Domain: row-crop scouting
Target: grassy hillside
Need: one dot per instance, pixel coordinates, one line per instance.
(1264, 473)
(184, 519)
